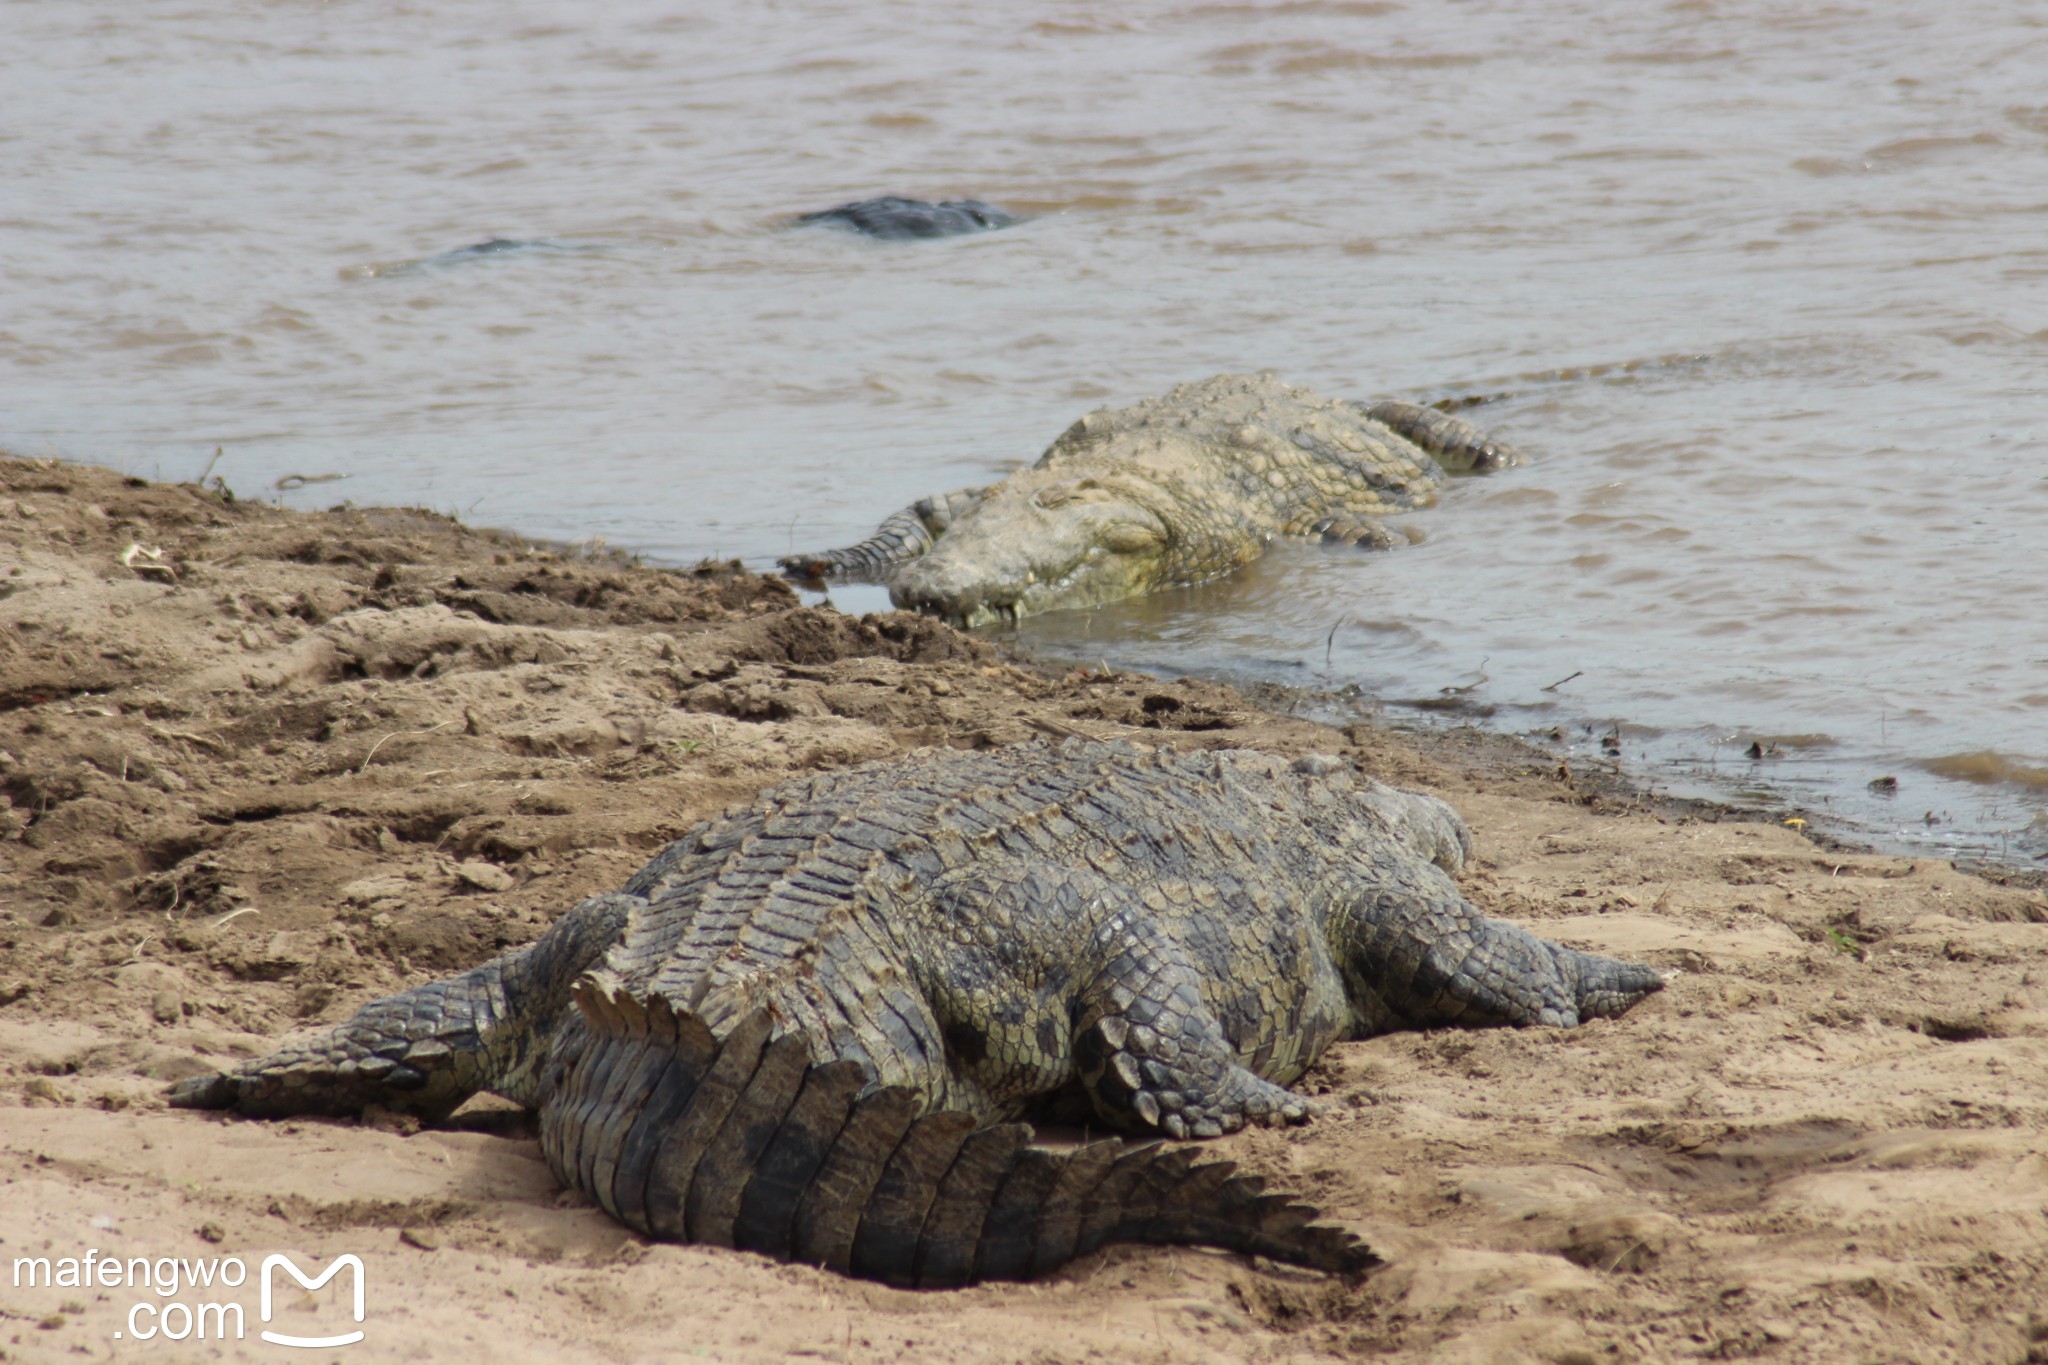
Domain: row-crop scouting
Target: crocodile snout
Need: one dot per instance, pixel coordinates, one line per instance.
(956, 593)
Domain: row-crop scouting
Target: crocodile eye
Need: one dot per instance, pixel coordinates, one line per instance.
(1130, 538)
(1073, 490)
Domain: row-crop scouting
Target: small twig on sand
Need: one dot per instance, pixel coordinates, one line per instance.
(365, 765)
(235, 914)
(1631, 1249)
(186, 735)
(1565, 679)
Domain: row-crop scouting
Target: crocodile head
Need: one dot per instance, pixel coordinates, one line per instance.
(1040, 544)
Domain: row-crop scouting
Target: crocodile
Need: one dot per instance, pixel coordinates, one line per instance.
(489, 249)
(893, 218)
(822, 1025)
(1169, 492)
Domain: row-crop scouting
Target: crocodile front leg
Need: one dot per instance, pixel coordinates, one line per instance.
(426, 1050)
(1348, 528)
(901, 537)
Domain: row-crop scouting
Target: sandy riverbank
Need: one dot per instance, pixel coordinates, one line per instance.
(260, 766)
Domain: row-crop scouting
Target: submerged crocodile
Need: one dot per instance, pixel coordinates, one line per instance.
(476, 251)
(1166, 493)
(893, 218)
(809, 1027)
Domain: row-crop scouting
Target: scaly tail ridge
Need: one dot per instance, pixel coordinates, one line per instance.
(743, 1142)
(1457, 444)
(903, 536)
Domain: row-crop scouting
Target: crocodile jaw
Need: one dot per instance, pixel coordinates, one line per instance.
(1018, 557)
(971, 602)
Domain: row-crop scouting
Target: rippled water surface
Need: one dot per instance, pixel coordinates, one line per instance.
(1826, 536)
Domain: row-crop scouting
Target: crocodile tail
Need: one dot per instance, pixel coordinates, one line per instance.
(1458, 445)
(902, 537)
(742, 1142)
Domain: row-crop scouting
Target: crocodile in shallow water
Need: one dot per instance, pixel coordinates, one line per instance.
(809, 1027)
(1166, 493)
(492, 249)
(893, 218)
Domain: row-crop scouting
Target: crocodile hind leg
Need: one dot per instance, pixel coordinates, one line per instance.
(1151, 1052)
(1081, 983)
(426, 1050)
(901, 537)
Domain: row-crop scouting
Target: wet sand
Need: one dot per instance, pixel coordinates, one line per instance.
(261, 766)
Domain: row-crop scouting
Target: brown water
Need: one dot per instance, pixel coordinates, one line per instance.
(1827, 535)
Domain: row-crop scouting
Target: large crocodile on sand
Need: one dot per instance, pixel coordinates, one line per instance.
(809, 1027)
(1166, 493)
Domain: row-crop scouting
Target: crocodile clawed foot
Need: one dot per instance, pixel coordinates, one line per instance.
(1255, 1102)
(1259, 1110)
(1205, 1099)
(1604, 987)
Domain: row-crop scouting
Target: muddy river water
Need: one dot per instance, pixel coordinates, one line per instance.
(1823, 538)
